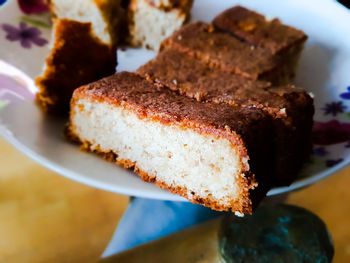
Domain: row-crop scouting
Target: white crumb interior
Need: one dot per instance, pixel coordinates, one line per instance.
(207, 166)
(159, 3)
(151, 25)
(83, 11)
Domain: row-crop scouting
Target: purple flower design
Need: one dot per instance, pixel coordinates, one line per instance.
(26, 35)
(331, 163)
(320, 151)
(346, 95)
(32, 6)
(334, 108)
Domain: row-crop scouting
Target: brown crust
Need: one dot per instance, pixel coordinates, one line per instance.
(253, 28)
(244, 204)
(220, 50)
(188, 76)
(77, 58)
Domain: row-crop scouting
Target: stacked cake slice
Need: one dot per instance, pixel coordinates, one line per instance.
(211, 118)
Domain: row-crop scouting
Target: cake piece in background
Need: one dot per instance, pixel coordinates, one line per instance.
(215, 155)
(282, 40)
(77, 57)
(255, 29)
(151, 21)
(85, 38)
(220, 50)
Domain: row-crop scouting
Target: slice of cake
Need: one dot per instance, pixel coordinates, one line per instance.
(284, 41)
(215, 155)
(85, 38)
(291, 108)
(77, 57)
(151, 21)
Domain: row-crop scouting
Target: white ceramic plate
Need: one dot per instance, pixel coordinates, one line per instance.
(324, 70)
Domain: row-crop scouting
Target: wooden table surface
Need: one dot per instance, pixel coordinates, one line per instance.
(45, 217)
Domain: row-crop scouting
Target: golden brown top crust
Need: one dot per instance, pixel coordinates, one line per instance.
(77, 58)
(194, 79)
(220, 50)
(253, 28)
(155, 101)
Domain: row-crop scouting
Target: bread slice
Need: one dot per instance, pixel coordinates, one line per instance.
(211, 154)
(152, 21)
(77, 57)
(85, 38)
(290, 108)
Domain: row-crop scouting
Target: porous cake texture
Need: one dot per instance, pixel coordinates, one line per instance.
(150, 21)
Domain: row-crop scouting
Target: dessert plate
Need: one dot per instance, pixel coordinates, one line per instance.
(323, 71)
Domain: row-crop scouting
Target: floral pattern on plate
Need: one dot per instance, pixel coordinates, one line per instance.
(27, 36)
